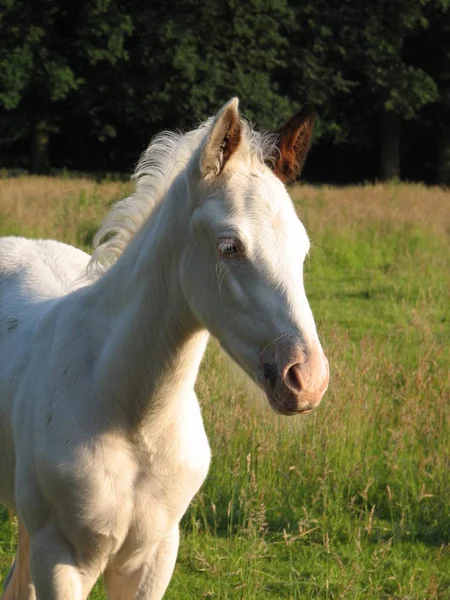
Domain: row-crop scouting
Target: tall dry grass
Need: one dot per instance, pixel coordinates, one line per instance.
(53, 205)
(355, 206)
(65, 209)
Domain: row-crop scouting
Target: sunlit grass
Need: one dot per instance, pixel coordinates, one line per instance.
(353, 500)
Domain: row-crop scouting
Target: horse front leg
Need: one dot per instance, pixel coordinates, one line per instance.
(18, 584)
(54, 569)
(150, 580)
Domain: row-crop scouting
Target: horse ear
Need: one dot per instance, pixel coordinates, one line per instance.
(222, 141)
(293, 144)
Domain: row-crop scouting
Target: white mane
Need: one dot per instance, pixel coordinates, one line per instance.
(166, 156)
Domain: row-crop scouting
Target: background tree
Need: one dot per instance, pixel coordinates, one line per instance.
(100, 77)
(47, 50)
(432, 50)
(190, 58)
(392, 87)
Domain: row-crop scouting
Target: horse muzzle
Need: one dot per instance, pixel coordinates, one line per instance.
(294, 380)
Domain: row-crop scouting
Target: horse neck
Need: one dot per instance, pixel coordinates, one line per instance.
(148, 342)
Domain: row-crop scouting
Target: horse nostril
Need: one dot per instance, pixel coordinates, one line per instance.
(293, 378)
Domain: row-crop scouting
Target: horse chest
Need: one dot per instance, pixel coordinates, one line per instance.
(171, 470)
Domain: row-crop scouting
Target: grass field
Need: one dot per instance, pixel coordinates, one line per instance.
(352, 501)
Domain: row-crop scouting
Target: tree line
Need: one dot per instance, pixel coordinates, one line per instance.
(85, 84)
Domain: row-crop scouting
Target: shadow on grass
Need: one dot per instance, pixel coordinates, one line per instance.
(388, 523)
(368, 294)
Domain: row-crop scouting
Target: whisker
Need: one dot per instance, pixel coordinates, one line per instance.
(272, 342)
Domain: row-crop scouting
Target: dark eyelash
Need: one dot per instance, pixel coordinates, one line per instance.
(228, 248)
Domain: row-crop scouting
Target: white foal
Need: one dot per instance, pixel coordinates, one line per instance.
(102, 444)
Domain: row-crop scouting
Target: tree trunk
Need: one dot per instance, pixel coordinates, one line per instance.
(39, 147)
(390, 146)
(443, 161)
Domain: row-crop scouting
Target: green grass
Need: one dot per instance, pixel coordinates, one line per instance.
(353, 500)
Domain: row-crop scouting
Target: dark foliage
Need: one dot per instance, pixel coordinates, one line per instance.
(85, 84)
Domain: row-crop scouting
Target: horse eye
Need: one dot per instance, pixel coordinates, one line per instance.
(229, 248)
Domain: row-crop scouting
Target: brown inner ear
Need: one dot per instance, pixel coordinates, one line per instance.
(294, 142)
(231, 138)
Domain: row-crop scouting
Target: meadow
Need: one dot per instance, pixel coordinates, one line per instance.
(353, 500)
